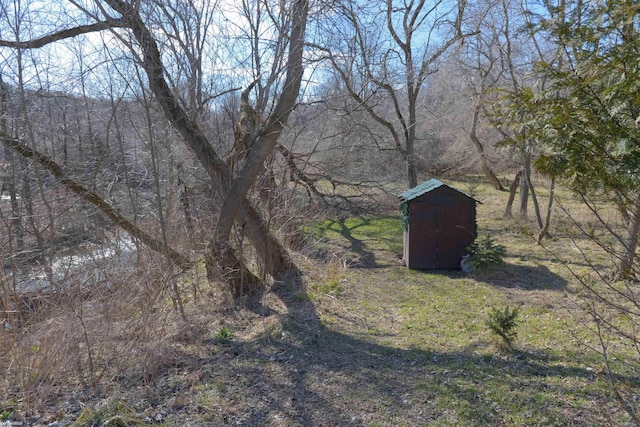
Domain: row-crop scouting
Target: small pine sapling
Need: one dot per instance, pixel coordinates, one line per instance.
(484, 253)
(504, 324)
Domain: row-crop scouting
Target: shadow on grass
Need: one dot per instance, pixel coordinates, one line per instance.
(513, 276)
(314, 375)
(526, 277)
(361, 235)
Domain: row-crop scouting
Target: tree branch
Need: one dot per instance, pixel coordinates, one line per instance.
(361, 101)
(95, 199)
(63, 34)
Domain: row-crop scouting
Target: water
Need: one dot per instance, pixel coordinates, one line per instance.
(89, 264)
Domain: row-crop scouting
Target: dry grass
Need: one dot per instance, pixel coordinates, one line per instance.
(356, 340)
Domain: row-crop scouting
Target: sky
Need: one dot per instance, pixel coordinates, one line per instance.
(79, 65)
(99, 65)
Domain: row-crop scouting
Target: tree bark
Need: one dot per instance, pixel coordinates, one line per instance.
(93, 198)
(185, 201)
(512, 194)
(534, 199)
(473, 136)
(265, 141)
(631, 245)
(412, 173)
(544, 232)
(524, 187)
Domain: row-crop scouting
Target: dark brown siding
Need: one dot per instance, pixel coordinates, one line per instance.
(423, 232)
(441, 227)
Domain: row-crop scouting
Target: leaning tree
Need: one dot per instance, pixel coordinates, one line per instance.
(135, 34)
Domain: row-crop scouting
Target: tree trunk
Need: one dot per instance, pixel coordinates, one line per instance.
(618, 199)
(486, 169)
(534, 198)
(185, 202)
(223, 264)
(631, 245)
(265, 142)
(412, 174)
(410, 133)
(11, 314)
(16, 215)
(544, 232)
(524, 187)
(512, 194)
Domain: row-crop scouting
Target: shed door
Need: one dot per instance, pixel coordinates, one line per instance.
(455, 233)
(439, 234)
(423, 235)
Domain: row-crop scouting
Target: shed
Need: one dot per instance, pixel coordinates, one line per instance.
(439, 224)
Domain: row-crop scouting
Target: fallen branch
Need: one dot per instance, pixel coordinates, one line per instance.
(93, 198)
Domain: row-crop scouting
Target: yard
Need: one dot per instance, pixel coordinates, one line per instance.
(359, 339)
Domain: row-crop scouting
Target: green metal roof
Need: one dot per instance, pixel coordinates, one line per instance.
(426, 187)
(419, 190)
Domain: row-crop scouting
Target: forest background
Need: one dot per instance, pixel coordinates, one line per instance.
(149, 140)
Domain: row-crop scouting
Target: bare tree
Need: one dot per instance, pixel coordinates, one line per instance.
(481, 61)
(126, 23)
(502, 61)
(384, 69)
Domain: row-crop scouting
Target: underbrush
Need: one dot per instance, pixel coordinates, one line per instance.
(358, 339)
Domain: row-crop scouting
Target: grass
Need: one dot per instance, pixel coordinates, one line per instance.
(109, 413)
(357, 238)
(551, 379)
(365, 341)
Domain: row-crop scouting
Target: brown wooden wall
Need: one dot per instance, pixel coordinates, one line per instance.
(441, 227)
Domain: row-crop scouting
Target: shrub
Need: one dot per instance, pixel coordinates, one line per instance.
(503, 323)
(485, 252)
(224, 334)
